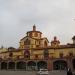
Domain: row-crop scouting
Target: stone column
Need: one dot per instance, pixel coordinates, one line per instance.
(7, 65)
(15, 65)
(36, 66)
(49, 65)
(0, 65)
(69, 61)
(26, 66)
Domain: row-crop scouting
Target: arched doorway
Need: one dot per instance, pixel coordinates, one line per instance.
(31, 65)
(42, 64)
(3, 65)
(73, 62)
(21, 65)
(59, 65)
(11, 65)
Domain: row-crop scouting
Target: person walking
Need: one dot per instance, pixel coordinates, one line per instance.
(69, 72)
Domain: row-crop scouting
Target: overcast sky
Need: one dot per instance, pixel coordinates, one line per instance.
(51, 17)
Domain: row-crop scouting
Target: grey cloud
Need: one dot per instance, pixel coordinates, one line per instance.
(52, 17)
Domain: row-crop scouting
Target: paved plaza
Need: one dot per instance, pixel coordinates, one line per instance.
(30, 72)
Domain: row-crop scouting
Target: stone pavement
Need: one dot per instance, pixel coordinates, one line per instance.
(30, 72)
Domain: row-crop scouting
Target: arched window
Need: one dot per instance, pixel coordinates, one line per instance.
(46, 54)
(45, 44)
(70, 53)
(30, 34)
(36, 56)
(61, 55)
(10, 54)
(36, 34)
(27, 54)
(27, 42)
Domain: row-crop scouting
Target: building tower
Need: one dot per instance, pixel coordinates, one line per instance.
(73, 39)
(55, 42)
(33, 39)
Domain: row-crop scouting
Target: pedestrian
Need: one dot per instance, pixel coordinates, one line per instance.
(69, 72)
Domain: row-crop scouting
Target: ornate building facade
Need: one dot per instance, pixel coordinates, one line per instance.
(33, 39)
(35, 52)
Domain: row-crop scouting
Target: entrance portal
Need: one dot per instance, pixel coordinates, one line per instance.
(11, 65)
(3, 66)
(59, 65)
(42, 64)
(31, 65)
(21, 65)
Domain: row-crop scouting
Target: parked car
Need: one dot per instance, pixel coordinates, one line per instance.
(43, 72)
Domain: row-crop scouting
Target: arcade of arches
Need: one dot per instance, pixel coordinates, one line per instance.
(36, 65)
(36, 51)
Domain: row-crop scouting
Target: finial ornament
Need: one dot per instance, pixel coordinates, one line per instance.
(55, 38)
(34, 27)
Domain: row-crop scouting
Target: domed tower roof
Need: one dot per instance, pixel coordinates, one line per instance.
(55, 42)
(34, 33)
